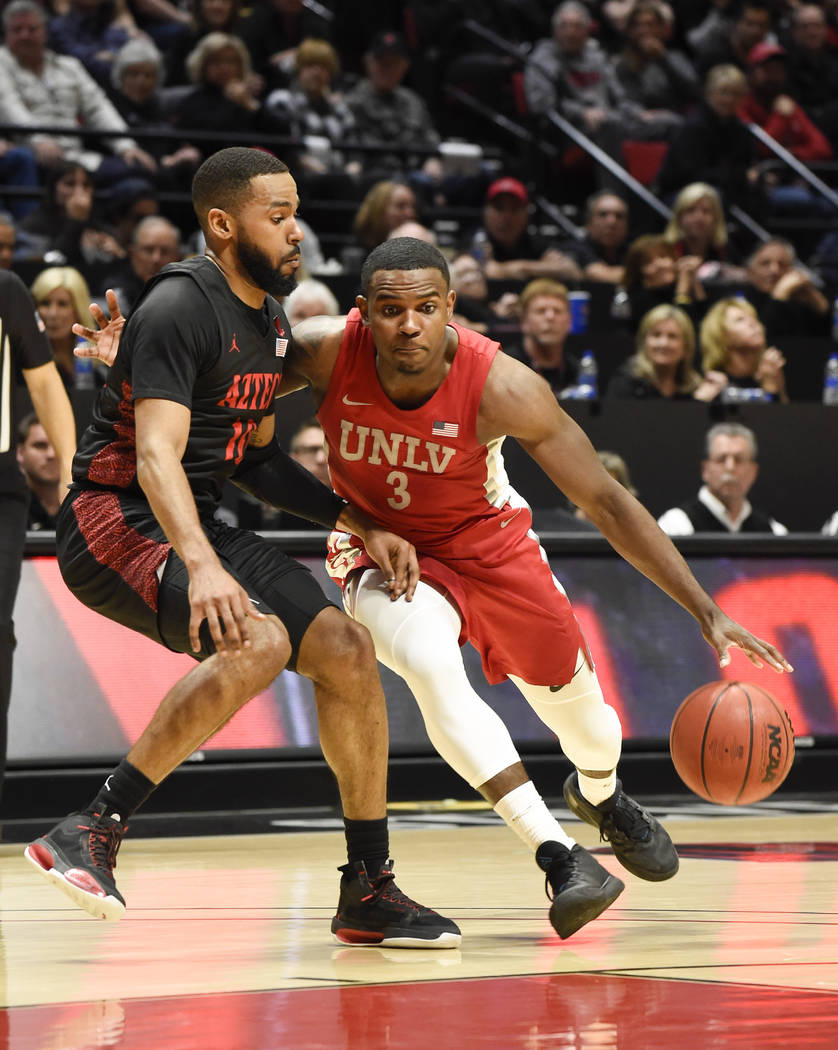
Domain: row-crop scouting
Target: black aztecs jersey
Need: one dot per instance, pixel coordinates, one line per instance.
(190, 339)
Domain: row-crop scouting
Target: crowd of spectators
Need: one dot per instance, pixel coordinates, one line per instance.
(133, 94)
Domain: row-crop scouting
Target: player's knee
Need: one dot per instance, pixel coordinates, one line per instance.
(270, 646)
(591, 739)
(347, 649)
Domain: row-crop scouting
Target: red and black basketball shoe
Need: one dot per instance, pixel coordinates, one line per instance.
(78, 856)
(376, 912)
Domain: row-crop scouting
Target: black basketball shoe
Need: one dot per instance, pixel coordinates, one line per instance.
(375, 911)
(577, 884)
(639, 841)
(78, 856)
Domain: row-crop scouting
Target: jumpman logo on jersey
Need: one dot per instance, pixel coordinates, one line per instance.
(234, 345)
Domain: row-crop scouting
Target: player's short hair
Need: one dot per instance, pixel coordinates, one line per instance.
(223, 180)
(403, 253)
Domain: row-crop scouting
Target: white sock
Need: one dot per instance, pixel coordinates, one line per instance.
(597, 789)
(524, 811)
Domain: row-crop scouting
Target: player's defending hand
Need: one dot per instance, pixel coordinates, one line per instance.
(722, 633)
(218, 598)
(102, 343)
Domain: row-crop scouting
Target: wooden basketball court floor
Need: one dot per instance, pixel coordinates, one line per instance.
(226, 945)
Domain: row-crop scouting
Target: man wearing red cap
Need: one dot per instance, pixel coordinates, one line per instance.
(506, 247)
(767, 105)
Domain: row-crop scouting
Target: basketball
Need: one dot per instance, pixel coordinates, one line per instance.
(731, 743)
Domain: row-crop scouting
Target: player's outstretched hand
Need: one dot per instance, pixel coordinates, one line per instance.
(397, 560)
(722, 634)
(102, 343)
(218, 598)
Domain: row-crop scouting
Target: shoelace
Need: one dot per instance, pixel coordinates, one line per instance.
(104, 844)
(626, 823)
(384, 888)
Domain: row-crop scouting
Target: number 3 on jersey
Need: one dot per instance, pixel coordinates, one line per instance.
(401, 497)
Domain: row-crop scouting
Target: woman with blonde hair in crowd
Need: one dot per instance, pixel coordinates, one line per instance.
(663, 364)
(62, 298)
(734, 354)
(698, 231)
(387, 205)
(223, 98)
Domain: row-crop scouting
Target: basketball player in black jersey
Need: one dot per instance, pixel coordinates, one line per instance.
(190, 402)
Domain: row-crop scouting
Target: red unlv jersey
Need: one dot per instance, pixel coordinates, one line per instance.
(423, 474)
(420, 472)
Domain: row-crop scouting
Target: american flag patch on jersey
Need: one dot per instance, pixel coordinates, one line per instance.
(445, 430)
(281, 347)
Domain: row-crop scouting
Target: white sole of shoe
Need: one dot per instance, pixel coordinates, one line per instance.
(108, 908)
(445, 940)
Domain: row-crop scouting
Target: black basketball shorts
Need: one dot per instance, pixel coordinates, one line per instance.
(115, 558)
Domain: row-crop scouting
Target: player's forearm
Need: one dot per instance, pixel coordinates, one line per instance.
(164, 482)
(53, 409)
(636, 536)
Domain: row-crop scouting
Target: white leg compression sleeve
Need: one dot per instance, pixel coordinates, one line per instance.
(419, 641)
(588, 729)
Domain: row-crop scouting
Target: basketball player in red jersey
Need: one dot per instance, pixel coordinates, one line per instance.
(415, 409)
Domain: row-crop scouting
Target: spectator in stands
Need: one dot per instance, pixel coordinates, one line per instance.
(387, 204)
(92, 31)
(545, 325)
(768, 105)
(413, 229)
(164, 21)
(505, 246)
(388, 114)
(570, 73)
(698, 231)
(734, 352)
(222, 99)
(8, 240)
(601, 252)
(653, 275)
(310, 298)
(728, 471)
(657, 78)
(42, 470)
(19, 169)
(784, 296)
(207, 16)
(663, 365)
(813, 68)
(65, 228)
(155, 244)
(310, 106)
(62, 299)
(136, 78)
(37, 86)
(714, 146)
(473, 307)
(731, 45)
(274, 30)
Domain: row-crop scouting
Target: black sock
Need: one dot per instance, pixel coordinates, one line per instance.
(369, 841)
(123, 792)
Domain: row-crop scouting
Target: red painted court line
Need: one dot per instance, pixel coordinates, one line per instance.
(515, 1013)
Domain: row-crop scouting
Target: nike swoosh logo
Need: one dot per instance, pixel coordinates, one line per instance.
(503, 524)
(349, 401)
